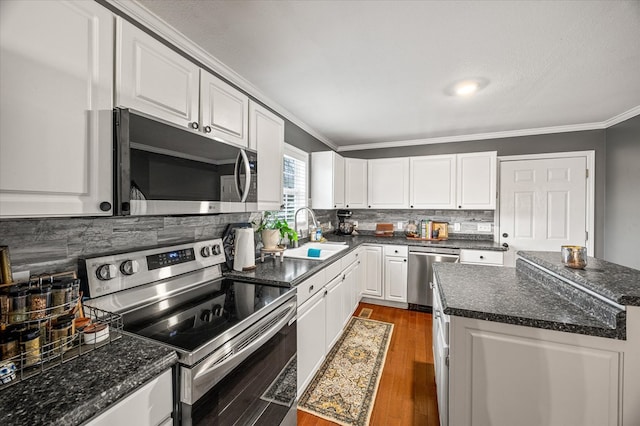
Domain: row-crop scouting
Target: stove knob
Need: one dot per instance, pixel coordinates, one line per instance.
(129, 267)
(205, 252)
(106, 272)
(216, 249)
(206, 315)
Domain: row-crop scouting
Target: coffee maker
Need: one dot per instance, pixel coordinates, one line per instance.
(344, 228)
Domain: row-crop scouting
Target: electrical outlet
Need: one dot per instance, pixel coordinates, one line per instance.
(21, 276)
(484, 227)
(400, 225)
(456, 227)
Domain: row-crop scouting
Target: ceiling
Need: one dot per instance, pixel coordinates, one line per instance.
(373, 72)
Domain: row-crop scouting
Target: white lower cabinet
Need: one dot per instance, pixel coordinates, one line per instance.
(335, 310)
(372, 272)
(326, 301)
(395, 278)
(385, 273)
(311, 330)
(151, 405)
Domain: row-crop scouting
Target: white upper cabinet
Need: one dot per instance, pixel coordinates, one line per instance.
(56, 86)
(388, 183)
(224, 112)
(476, 180)
(153, 79)
(327, 180)
(433, 182)
(266, 135)
(355, 183)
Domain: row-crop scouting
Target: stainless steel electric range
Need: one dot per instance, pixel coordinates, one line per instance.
(236, 341)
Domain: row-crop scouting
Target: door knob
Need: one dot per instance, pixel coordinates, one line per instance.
(505, 245)
(207, 129)
(194, 125)
(505, 235)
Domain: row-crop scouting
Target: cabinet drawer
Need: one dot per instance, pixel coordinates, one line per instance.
(483, 257)
(332, 271)
(349, 258)
(396, 251)
(309, 287)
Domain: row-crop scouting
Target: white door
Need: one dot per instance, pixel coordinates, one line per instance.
(543, 204)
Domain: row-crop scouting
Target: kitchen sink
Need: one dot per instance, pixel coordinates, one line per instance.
(327, 249)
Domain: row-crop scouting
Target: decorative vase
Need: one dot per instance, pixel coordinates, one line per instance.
(270, 238)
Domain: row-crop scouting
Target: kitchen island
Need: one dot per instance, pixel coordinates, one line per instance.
(537, 344)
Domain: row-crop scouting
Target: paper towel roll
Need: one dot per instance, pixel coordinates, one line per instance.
(245, 249)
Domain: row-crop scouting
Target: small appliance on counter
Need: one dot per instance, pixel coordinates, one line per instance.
(245, 250)
(344, 227)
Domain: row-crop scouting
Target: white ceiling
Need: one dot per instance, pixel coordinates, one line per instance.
(367, 72)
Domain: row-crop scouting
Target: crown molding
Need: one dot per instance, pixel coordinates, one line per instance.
(622, 117)
(497, 135)
(153, 22)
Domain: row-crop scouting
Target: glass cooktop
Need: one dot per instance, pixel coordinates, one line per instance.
(191, 320)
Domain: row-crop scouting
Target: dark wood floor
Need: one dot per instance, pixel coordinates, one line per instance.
(407, 391)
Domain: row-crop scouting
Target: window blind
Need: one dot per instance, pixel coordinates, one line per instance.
(295, 168)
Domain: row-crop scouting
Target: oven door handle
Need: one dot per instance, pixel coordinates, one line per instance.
(215, 367)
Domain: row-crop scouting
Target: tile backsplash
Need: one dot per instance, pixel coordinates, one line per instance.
(51, 245)
(468, 219)
(54, 244)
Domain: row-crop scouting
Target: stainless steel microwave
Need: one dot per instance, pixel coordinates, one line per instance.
(164, 170)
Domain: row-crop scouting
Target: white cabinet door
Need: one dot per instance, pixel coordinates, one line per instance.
(224, 111)
(350, 290)
(395, 278)
(432, 183)
(476, 180)
(327, 180)
(372, 282)
(355, 183)
(335, 310)
(388, 183)
(266, 135)
(357, 283)
(56, 86)
(152, 404)
(153, 79)
(311, 345)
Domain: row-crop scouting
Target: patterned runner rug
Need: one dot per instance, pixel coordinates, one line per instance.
(344, 389)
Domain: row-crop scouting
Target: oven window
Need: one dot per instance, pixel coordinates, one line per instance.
(245, 396)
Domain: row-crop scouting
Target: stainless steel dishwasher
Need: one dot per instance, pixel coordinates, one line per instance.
(421, 260)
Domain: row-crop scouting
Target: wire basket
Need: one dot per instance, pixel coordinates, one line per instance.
(37, 358)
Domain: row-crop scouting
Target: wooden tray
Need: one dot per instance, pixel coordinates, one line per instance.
(384, 230)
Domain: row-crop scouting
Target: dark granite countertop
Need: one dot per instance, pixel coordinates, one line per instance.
(292, 272)
(503, 294)
(77, 390)
(614, 282)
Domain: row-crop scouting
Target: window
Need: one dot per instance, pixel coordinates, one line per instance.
(294, 183)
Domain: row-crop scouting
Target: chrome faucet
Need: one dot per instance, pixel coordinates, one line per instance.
(295, 221)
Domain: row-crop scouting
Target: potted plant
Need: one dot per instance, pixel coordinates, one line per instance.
(272, 229)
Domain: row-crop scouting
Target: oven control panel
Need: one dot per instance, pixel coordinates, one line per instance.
(102, 275)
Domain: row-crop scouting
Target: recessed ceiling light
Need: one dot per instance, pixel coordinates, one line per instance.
(467, 87)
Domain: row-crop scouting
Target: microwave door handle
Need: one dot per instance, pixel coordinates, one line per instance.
(247, 177)
(236, 175)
